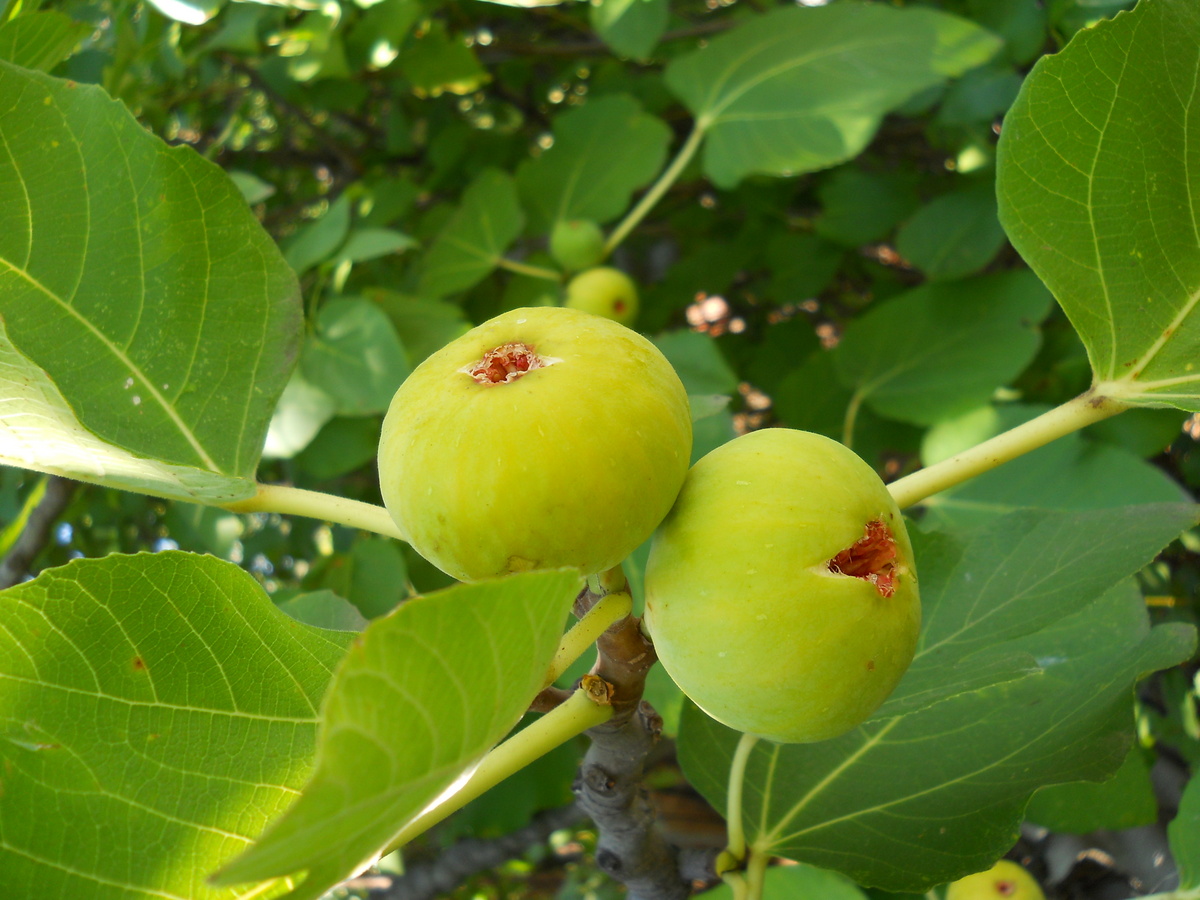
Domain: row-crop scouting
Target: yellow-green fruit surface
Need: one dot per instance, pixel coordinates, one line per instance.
(745, 610)
(576, 243)
(1004, 881)
(604, 291)
(572, 463)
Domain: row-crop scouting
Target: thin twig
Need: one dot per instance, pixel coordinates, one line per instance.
(36, 533)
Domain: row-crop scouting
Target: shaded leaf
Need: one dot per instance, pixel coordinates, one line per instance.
(603, 152)
(1124, 801)
(954, 235)
(319, 240)
(798, 881)
(942, 349)
(859, 207)
(162, 700)
(355, 357)
(438, 62)
(1022, 573)
(698, 361)
(323, 609)
(138, 274)
(487, 221)
(422, 695)
(303, 411)
(1184, 833)
(1096, 192)
(371, 243)
(803, 89)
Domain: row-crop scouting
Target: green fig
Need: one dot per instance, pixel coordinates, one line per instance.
(604, 291)
(543, 438)
(576, 244)
(780, 591)
(1004, 881)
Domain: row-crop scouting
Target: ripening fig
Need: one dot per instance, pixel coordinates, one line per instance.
(604, 291)
(780, 589)
(576, 244)
(1004, 881)
(545, 437)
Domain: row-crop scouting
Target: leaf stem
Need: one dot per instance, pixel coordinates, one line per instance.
(736, 846)
(572, 717)
(756, 873)
(851, 419)
(669, 176)
(1086, 409)
(521, 268)
(292, 501)
(608, 609)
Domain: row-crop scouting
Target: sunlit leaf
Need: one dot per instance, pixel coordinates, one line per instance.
(164, 709)
(134, 277)
(1095, 181)
(422, 695)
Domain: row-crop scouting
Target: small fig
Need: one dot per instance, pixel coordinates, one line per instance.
(780, 590)
(543, 438)
(604, 291)
(576, 244)
(1004, 881)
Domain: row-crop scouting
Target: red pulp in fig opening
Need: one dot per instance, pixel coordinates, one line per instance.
(871, 558)
(505, 363)
(1006, 888)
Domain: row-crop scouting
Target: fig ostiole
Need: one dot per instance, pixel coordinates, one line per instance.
(1006, 880)
(576, 244)
(604, 291)
(543, 438)
(781, 594)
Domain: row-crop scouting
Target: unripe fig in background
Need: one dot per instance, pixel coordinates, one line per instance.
(545, 437)
(576, 244)
(780, 590)
(1004, 881)
(604, 291)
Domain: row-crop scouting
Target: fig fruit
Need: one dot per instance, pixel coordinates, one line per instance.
(576, 244)
(604, 291)
(780, 591)
(543, 438)
(1004, 881)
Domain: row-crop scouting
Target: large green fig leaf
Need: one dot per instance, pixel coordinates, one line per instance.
(803, 89)
(140, 295)
(1095, 186)
(422, 696)
(486, 223)
(602, 153)
(156, 711)
(1184, 833)
(928, 795)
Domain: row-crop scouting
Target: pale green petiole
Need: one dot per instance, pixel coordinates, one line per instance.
(521, 268)
(572, 717)
(1086, 409)
(669, 176)
(278, 498)
(735, 849)
(608, 609)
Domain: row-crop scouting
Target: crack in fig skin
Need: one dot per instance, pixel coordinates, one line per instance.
(871, 558)
(505, 364)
